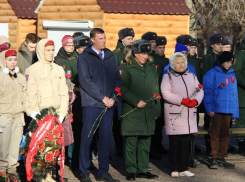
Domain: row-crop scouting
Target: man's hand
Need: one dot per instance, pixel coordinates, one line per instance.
(156, 118)
(112, 102)
(141, 104)
(106, 101)
(211, 114)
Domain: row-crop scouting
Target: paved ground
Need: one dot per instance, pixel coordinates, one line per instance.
(160, 167)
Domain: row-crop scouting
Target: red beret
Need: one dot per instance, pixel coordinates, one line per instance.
(10, 53)
(50, 42)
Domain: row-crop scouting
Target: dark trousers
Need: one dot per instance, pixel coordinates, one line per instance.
(116, 129)
(141, 162)
(73, 149)
(219, 135)
(104, 132)
(179, 146)
(156, 139)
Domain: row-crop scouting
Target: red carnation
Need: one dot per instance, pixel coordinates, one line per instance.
(49, 157)
(56, 132)
(68, 75)
(41, 147)
(59, 141)
(1, 173)
(155, 94)
(57, 153)
(119, 94)
(159, 97)
(50, 137)
(71, 117)
(117, 89)
(156, 65)
(200, 86)
(222, 85)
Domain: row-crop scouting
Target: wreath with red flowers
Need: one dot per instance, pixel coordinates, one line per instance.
(43, 155)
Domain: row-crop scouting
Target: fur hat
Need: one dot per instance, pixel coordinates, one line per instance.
(161, 40)
(66, 40)
(125, 33)
(185, 40)
(194, 42)
(180, 47)
(81, 41)
(179, 39)
(4, 39)
(149, 36)
(141, 46)
(216, 38)
(227, 40)
(225, 56)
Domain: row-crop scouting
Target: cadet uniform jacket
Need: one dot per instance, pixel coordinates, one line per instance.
(12, 92)
(160, 62)
(23, 63)
(239, 68)
(46, 85)
(206, 63)
(118, 52)
(139, 83)
(194, 61)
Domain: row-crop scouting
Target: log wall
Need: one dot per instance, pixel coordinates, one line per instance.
(169, 26)
(7, 15)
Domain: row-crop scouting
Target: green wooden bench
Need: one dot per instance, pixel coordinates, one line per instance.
(202, 131)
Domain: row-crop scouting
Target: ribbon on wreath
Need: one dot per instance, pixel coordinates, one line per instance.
(38, 138)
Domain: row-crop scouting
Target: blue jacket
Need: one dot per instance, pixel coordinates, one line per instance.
(97, 78)
(217, 98)
(190, 67)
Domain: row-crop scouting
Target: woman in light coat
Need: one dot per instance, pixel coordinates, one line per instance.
(180, 90)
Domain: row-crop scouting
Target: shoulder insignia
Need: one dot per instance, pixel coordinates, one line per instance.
(235, 60)
(121, 72)
(71, 58)
(27, 77)
(117, 50)
(241, 51)
(201, 65)
(64, 67)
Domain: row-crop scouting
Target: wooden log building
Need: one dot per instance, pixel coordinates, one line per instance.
(56, 18)
(17, 18)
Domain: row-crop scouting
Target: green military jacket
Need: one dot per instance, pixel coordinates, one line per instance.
(71, 64)
(239, 68)
(194, 61)
(118, 52)
(139, 83)
(160, 62)
(206, 63)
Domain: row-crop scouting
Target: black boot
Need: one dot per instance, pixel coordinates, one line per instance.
(56, 176)
(241, 145)
(213, 164)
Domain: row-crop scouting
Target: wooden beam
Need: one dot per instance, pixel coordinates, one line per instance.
(71, 16)
(5, 7)
(70, 8)
(7, 13)
(8, 19)
(147, 17)
(146, 23)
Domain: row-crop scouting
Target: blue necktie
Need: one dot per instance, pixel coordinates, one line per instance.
(101, 57)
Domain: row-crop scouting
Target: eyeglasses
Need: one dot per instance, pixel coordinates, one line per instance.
(69, 45)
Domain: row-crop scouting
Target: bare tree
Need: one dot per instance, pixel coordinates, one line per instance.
(219, 16)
